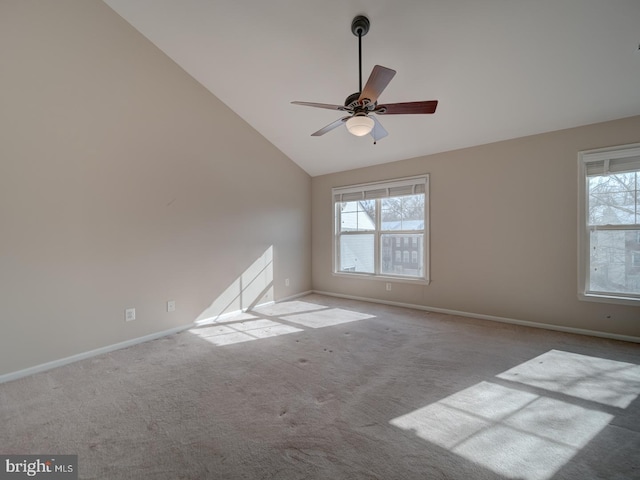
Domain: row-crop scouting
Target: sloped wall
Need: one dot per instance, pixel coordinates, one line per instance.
(124, 183)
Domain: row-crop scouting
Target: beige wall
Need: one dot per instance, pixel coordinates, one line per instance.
(503, 230)
(124, 183)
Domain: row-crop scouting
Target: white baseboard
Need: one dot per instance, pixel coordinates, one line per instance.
(297, 295)
(493, 318)
(92, 353)
(223, 316)
(154, 336)
(128, 343)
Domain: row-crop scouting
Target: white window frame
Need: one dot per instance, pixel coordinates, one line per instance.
(587, 159)
(378, 188)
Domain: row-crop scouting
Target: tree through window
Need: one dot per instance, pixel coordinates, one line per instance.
(610, 219)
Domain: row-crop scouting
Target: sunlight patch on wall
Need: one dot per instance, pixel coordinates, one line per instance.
(253, 287)
(524, 432)
(596, 379)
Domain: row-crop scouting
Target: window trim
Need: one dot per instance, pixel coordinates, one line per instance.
(585, 158)
(373, 187)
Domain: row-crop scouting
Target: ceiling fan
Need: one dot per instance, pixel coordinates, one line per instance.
(361, 104)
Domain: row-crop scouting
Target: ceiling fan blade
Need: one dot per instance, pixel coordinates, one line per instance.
(377, 82)
(378, 131)
(330, 127)
(407, 108)
(320, 105)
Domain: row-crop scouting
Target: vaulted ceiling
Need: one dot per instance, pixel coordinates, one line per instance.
(500, 68)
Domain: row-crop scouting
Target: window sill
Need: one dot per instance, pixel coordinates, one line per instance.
(601, 298)
(382, 278)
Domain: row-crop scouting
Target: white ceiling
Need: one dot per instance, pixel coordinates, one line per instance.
(500, 68)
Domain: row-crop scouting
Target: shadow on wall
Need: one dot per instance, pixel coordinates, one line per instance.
(253, 287)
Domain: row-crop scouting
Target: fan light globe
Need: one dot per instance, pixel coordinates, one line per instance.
(360, 125)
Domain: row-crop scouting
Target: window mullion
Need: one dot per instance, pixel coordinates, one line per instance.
(337, 215)
(377, 238)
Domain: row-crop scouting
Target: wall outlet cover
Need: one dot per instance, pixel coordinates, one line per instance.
(129, 314)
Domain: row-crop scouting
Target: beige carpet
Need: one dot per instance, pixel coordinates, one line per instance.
(324, 388)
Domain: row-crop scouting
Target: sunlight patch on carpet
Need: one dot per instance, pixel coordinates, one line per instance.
(252, 287)
(290, 307)
(327, 318)
(523, 432)
(281, 319)
(242, 331)
(596, 379)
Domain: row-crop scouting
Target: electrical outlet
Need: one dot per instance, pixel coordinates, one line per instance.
(286, 282)
(171, 306)
(129, 314)
(388, 287)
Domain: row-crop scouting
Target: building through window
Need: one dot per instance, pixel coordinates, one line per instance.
(381, 229)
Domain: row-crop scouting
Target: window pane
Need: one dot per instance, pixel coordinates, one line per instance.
(396, 258)
(614, 199)
(357, 253)
(612, 262)
(403, 213)
(357, 216)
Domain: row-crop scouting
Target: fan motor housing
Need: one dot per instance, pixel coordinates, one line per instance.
(353, 103)
(352, 100)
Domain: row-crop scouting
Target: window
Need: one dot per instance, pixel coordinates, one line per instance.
(375, 224)
(609, 269)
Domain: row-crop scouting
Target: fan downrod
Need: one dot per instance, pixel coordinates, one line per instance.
(360, 26)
